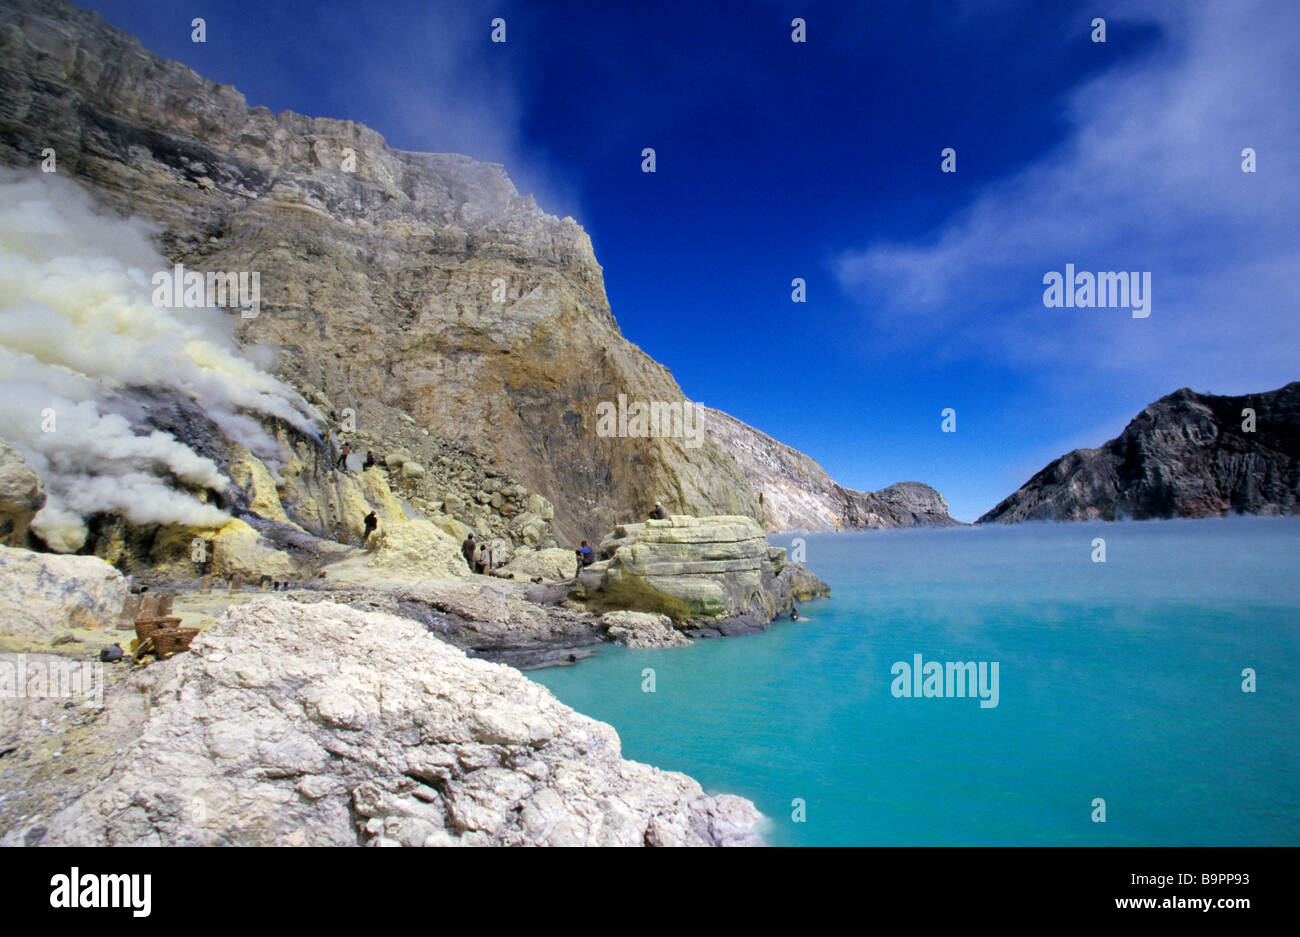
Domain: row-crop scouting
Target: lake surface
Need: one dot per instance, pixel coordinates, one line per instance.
(1119, 680)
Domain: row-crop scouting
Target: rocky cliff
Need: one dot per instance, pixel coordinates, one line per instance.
(419, 291)
(795, 493)
(1186, 455)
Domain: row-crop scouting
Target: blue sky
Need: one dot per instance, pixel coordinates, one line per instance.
(821, 160)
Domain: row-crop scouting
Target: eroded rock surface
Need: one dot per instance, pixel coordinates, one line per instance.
(642, 629)
(21, 496)
(43, 595)
(323, 725)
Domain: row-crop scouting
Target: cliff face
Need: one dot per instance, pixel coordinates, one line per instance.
(797, 494)
(1186, 455)
(377, 285)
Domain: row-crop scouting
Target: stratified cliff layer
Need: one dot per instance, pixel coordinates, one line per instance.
(378, 270)
(797, 494)
(1186, 455)
(720, 574)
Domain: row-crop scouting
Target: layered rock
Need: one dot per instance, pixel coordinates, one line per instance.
(21, 496)
(719, 571)
(1186, 455)
(322, 725)
(421, 292)
(795, 493)
(43, 595)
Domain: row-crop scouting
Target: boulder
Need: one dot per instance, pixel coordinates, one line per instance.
(528, 527)
(541, 507)
(21, 496)
(552, 565)
(451, 527)
(42, 595)
(642, 629)
(318, 724)
(719, 568)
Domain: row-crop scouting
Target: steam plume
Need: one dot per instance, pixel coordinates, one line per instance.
(77, 326)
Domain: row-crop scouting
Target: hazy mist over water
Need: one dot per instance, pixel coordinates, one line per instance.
(1119, 680)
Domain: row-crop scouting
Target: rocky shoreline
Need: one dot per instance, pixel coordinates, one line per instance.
(314, 723)
(279, 724)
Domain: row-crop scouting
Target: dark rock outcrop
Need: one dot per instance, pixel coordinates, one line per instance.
(1186, 455)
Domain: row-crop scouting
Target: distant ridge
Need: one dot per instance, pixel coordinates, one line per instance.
(1186, 455)
(797, 494)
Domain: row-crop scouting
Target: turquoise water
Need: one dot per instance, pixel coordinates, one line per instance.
(1119, 681)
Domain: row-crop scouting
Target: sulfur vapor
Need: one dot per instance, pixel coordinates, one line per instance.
(78, 331)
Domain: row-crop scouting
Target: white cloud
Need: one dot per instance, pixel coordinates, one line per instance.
(455, 92)
(1148, 178)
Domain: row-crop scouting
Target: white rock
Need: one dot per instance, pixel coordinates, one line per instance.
(642, 629)
(42, 595)
(368, 730)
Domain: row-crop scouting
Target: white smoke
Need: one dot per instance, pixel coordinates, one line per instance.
(77, 324)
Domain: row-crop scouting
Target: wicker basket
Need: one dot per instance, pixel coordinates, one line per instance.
(147, 627)
(169, 641)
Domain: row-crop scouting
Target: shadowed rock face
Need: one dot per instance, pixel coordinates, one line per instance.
(376, 284)
(1186, 455)
(797, 494)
